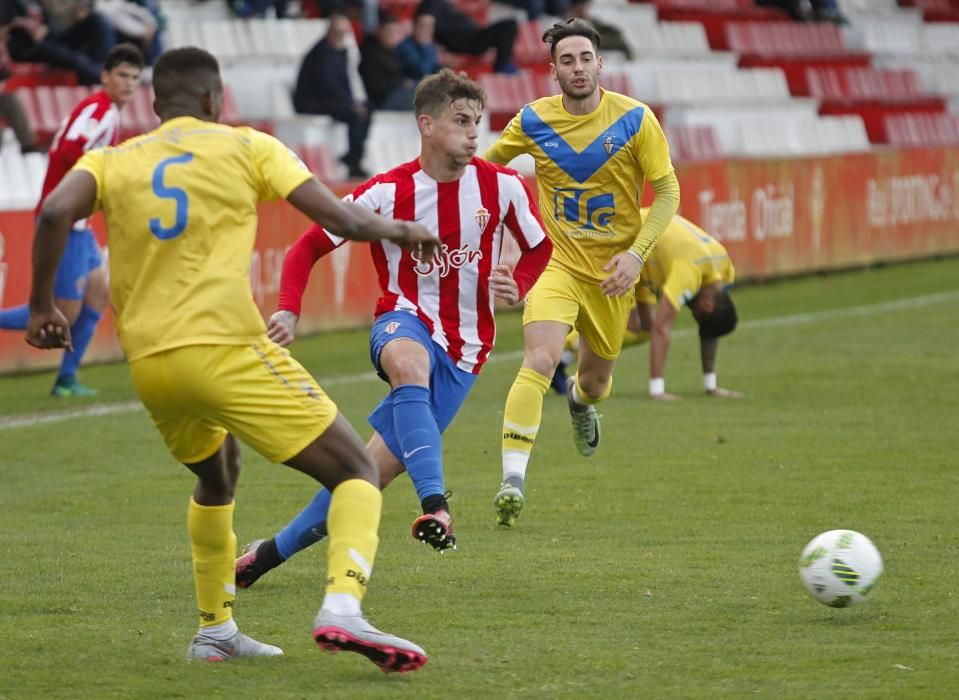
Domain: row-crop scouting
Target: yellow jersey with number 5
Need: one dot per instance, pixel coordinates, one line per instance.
(180, 208)
(590, 171)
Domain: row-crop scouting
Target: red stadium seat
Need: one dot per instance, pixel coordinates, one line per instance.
(34, 74)
(506, 94)
(693, 143)
(785, 39)
(882, 85)
(922, 130)
(321, 161)
(872, 93)
(530, 51)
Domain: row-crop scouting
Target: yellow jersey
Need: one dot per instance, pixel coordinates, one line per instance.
(590, 171)
(180, 208)
(685, 259)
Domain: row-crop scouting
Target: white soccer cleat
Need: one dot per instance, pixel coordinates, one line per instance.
(335, 633)
(204, 648)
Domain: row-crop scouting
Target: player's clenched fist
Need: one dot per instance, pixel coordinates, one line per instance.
(281, 328)
(48, 329)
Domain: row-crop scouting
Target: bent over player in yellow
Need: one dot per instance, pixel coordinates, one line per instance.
(180, 207)
(688, 267)
(593, 150)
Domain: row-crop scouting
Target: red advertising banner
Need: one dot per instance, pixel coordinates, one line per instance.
(776, 217)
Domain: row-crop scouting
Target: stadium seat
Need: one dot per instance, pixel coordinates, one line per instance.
(693, 86)
(21, 179)
(692, 143)
(506, 94)
(922, 130)
(785, 39)
(321, 161)
(530, 51)
(891, 34)
(669, 38)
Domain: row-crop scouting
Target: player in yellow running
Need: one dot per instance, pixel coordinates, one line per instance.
(688, 267)
(180, 207)
(593, 150)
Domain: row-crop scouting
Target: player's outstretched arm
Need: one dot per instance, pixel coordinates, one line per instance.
(73, 199)
(708, 349)
(348, 220)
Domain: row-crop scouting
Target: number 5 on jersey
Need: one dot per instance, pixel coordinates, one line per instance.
(177, 194)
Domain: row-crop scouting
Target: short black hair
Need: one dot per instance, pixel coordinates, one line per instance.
(572, 27)
(436, 92)
(185, 70)
(123, 53)
(722, 320)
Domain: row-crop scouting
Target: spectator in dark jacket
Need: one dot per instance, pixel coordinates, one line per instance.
(460, 33)
(60, 33)
(323, 87)
(381, 69)
(537, 8)
(418, 52)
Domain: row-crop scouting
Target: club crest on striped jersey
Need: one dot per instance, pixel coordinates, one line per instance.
(482, 217)
(449, 259)
(609, 143)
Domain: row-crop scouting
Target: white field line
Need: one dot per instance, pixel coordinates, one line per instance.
(105, 409)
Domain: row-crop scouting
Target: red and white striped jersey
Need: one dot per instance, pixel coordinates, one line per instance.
(452, 296)
(93, 123)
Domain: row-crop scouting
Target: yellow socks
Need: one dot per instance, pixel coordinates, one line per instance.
(214, 554)
(352, 522)
(521, 419)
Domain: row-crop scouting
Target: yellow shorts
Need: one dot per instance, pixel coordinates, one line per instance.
(257, 392)
(600, 320)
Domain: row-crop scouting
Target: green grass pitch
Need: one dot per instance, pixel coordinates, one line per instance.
(664, 566)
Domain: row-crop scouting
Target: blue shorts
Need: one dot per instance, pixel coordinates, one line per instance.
(449, 384)
(80, 258)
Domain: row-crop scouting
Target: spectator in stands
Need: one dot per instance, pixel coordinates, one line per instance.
(366, 12)
(11, 111)
(460, 33)
(259, 8)
(610, 38)
(808, 10)
(537, 8)
(418, 52)
(136, 22)
(323, 86)
(382, 70)
(60, 33)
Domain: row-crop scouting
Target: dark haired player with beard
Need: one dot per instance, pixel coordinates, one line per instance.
(593, 151)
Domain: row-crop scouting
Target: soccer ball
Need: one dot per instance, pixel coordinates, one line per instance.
(840, 568)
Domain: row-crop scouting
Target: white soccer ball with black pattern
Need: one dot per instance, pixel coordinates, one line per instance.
(840, 568)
